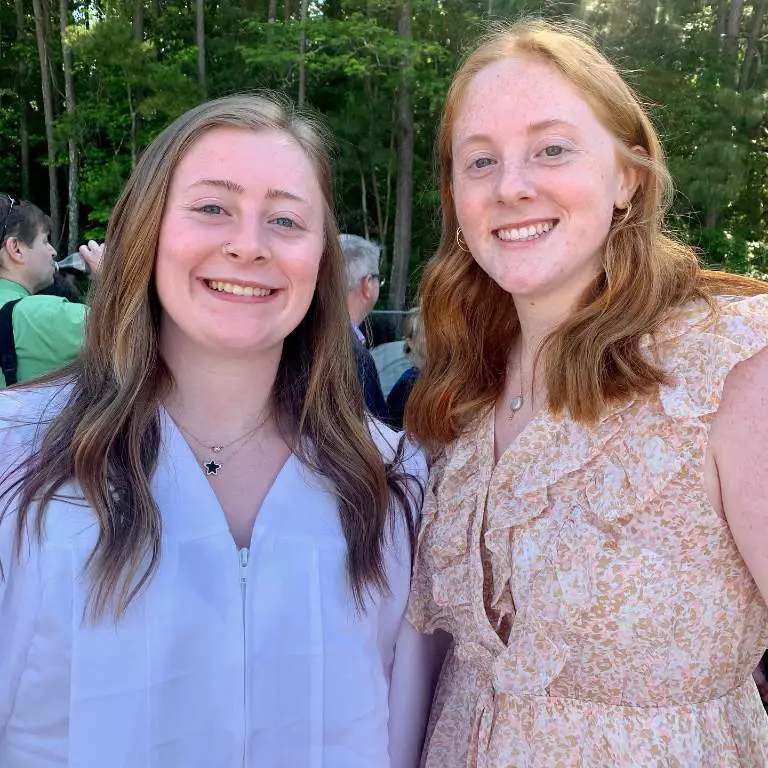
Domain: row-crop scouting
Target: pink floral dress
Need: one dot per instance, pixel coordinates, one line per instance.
(601, 613)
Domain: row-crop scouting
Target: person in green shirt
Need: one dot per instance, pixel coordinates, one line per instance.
(47, 330)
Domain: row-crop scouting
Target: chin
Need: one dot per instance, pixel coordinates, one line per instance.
(519, 286)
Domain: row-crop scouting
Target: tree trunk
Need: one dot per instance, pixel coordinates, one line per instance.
(73, 229)
(332, 9)
(380, 225)
(287, 10)
(648, 14)
(759, 13)
(23, 123)
(45, 78)
(303, 54)
(364, 203)
(134, 141)
(733, 27)
(47, 12)
(722, 21)
(138, 20)
(202, 82)
(134, 101)
(272, 13)
(401, 255)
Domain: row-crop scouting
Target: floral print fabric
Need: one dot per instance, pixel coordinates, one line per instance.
(601, 613)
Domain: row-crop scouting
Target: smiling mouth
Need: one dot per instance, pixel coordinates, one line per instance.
(530, 232)
(236, 289)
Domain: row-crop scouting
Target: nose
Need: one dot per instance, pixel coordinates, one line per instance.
(249, 244)
(514, 182)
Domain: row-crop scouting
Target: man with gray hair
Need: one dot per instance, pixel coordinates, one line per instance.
(361, 258)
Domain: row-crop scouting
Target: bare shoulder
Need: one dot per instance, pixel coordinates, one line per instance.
(738, 440)
(739, 445)
(745, 395)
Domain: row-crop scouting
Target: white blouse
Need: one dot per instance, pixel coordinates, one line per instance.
(228, 658)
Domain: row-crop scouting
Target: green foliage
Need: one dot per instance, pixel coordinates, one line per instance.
(129, 89)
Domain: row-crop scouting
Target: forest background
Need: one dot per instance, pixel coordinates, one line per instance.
(84, 86)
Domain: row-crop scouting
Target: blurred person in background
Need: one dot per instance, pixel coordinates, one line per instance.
(361, 259)
(413, 346)
(38, 333)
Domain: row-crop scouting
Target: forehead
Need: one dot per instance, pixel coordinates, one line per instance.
(517, 93)
(252, 159)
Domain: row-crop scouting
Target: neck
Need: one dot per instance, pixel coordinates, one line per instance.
(18, 279)
(356, 309)
(541, 315)
(217, 397)
(535, 326)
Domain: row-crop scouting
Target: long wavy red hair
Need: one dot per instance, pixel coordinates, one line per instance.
(593, 359)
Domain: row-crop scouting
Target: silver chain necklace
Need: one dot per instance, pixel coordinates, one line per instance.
(213, 463)
(518, 401)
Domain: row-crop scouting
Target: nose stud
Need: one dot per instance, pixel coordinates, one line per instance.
(226, 249)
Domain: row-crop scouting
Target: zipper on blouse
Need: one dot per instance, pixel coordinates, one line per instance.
(243, 555)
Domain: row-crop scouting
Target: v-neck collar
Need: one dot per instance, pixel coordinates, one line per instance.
(187, 499)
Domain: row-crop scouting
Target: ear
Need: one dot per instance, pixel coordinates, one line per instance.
(13, 250)
(365, 287)
(632, 176)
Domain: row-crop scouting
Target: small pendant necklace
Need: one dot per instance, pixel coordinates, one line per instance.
(211, 465)
(518, 401)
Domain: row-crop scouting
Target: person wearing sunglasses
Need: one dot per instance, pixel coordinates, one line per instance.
(38, 333)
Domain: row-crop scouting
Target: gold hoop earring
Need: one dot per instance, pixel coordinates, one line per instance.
(627, 212)
(462, 245)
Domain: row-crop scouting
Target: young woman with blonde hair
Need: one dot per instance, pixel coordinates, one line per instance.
(205, 541)
(595, 403)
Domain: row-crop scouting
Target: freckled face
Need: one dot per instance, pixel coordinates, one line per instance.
(240, 242)
(536, 179)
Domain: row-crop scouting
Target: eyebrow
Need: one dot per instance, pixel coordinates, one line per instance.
(553, 123)
(228, 184)
(542, 125)
(284, 194)
(233, 186)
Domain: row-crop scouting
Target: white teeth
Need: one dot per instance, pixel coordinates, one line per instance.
(525, 233)
(236, 289)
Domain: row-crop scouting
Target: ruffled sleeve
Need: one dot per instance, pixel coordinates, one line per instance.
(699, 349)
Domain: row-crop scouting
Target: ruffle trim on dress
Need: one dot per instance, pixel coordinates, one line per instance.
(441, 582)
(634, 470)
(698, 350)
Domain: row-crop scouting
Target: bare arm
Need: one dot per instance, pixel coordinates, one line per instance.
(739, 449)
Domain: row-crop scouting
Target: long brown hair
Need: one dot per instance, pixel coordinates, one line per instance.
(107, 436)
(594, 358)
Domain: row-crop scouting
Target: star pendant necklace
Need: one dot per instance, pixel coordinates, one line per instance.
(215, 451)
